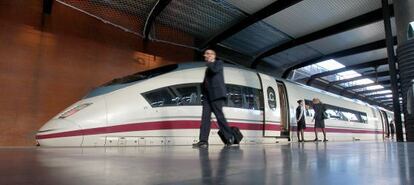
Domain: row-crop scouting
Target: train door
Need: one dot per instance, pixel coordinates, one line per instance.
(284, 106)
(271, 115)
(382, 122)
(386, 124)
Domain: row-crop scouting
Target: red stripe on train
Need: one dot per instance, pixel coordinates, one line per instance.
(342, 130)
(161, 125)
(182, 124)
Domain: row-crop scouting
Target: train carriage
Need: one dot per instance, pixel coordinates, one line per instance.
(163, 107)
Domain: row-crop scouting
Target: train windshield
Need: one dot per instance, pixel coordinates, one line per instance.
(119, 83)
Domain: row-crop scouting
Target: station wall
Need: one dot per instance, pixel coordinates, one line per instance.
(48, 62)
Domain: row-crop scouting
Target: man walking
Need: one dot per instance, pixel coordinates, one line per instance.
(214, 97)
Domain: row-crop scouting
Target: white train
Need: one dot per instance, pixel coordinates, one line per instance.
(163, 107)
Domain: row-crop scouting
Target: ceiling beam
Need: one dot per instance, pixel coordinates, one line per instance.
(381, 99)
(378, 95)
(349, 24)
(254, 18)
(156, 10)
(385, 82)
(352, 51)
(371, 75)
(374, 63)
(388, 100)
(373, 91)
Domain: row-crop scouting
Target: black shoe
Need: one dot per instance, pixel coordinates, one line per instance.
(325, 140)
(201, 144)
(316, 140)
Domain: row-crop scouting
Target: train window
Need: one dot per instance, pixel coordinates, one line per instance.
(335, 114)
(177, 95)
(338, 113)
(364, 118)
(160, 97)
(351, 117)
(234, 96)
(190, 94)
(187, 94)
(251, 98)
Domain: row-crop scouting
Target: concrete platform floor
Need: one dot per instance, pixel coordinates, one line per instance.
(295, 163)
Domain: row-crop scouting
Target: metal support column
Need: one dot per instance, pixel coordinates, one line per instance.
(393, 71)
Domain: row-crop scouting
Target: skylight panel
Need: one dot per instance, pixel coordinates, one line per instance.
(374, 87)
(330, 64)
(349, 74)
(363, 81)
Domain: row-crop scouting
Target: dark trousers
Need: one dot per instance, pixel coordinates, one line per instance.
(216, 107)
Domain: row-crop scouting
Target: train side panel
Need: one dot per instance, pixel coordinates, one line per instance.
(336, 129)
(131, 115)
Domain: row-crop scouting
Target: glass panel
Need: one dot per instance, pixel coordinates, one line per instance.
(251, 98)
(190, 94)
(335, 114)
(187, 94)
(234, 96)
(351, 117)
(364, 118)
(159, 98)
(338, 113)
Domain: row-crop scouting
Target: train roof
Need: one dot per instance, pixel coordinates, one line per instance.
(128, 80)
(131, 79)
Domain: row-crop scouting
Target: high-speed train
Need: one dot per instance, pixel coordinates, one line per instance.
(162, 106)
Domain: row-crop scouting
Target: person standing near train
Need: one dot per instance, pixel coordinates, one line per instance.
(392, 129)
(214, 96)
(300, 120)
(319, 118)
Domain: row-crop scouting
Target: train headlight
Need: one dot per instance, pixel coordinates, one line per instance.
(74, 110)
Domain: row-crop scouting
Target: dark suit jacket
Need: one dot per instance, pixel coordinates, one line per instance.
(213, 87)
(319, 110)
(302, 119)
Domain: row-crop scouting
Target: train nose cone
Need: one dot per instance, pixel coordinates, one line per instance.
(60, 132)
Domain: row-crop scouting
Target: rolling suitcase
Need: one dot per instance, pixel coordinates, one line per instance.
(238, 136)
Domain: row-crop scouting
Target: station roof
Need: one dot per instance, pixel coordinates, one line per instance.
(284, 38)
